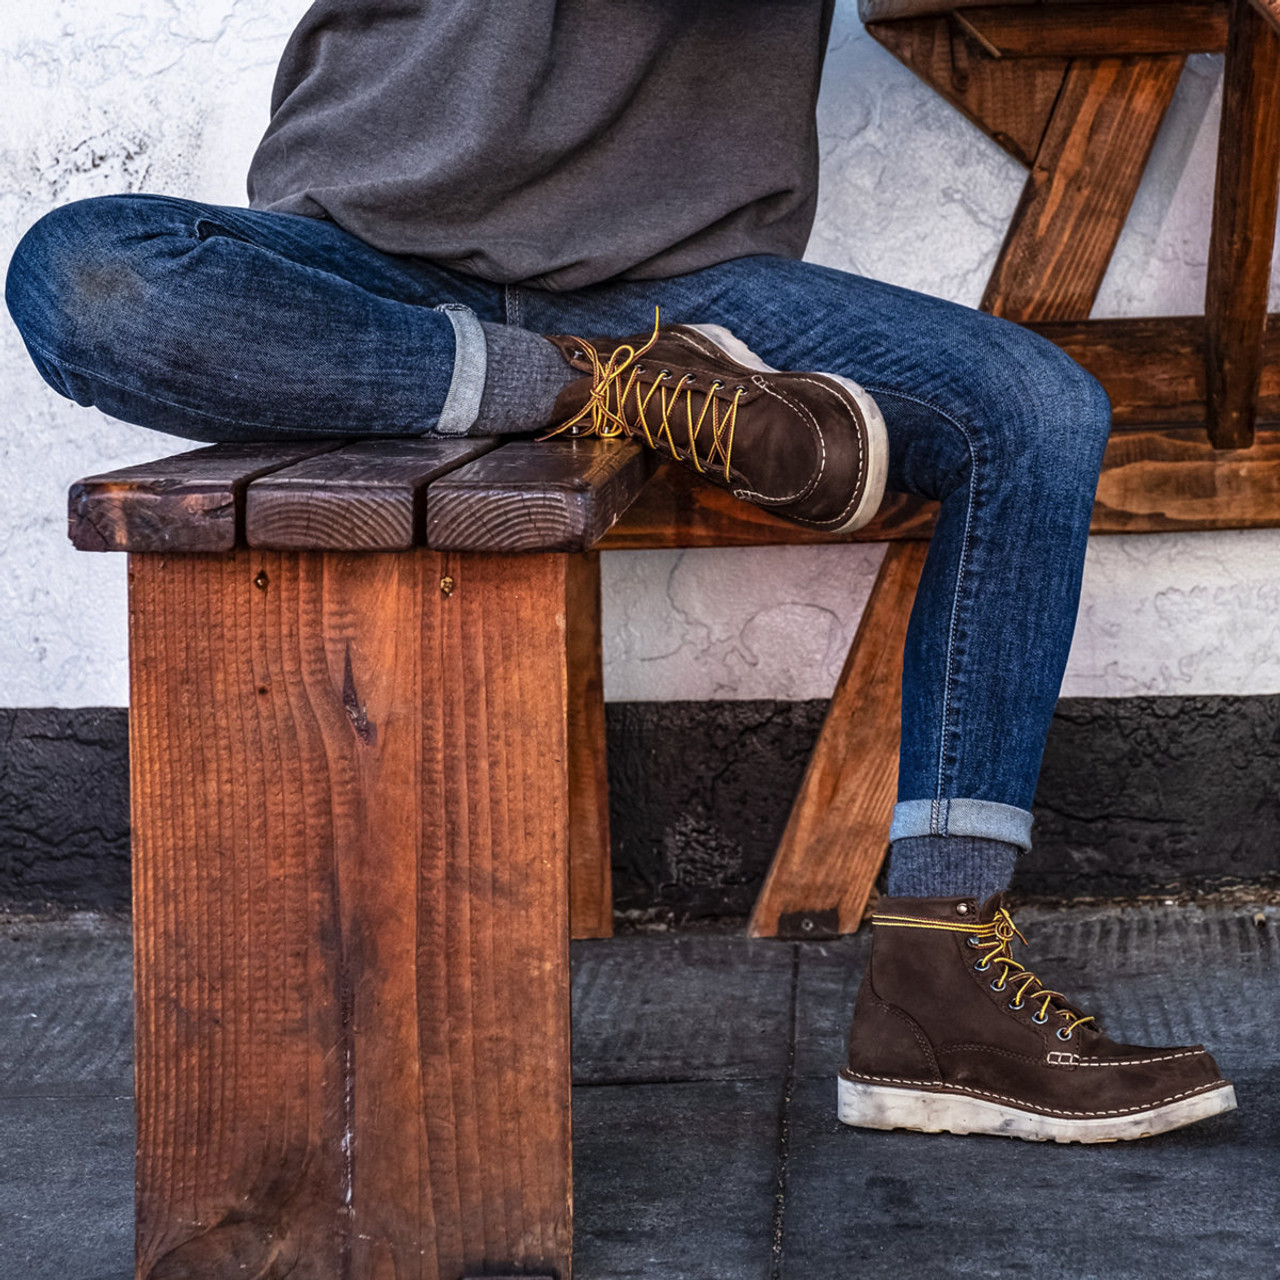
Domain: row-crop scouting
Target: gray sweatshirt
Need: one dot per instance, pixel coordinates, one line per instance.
(555, 143)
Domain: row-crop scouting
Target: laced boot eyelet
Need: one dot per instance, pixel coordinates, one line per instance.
(664, 374)
(716, 385)
(982, 966)
(1017, 1004)
(999, 985)
(1039, 1019)
(1063, 1034)
(973, 942)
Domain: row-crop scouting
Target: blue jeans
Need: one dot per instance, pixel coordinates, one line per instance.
(230, 324)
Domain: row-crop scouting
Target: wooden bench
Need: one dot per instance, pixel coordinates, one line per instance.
(367, 721)
(369, 796)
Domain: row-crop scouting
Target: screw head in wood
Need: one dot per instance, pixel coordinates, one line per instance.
(446, 586)
(261, 580)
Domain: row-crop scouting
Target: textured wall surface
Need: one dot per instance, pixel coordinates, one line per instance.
(64, 807)
(99, 96)
(1137, 794)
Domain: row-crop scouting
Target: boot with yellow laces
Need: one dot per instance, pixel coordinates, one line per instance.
(952, 1033)
(810, 447)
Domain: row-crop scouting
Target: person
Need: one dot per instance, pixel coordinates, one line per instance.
(462, 219)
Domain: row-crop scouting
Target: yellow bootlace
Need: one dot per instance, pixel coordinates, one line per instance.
(617, 380)
(995, 941)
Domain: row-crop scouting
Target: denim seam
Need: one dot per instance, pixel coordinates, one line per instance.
(511, 304)
(945, 729)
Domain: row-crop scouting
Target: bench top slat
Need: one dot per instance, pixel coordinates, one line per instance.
(367, 496)
(531, 495)
(189, 502)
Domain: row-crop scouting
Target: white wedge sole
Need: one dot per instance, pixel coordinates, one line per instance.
(877, 436)
(877, 1106)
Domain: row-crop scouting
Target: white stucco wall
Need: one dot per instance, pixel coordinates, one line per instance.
(170, 95)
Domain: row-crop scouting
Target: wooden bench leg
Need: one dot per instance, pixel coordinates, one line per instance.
(350, 815)
(1244, 224)
(838, 831)
(590, 875)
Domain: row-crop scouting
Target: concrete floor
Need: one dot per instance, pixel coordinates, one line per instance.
(706, 1144)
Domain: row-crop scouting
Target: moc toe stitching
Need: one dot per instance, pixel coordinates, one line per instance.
(1140, 1062)
(801, 410)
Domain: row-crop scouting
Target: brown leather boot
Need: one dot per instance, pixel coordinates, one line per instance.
(810, 447)
(950, 1033)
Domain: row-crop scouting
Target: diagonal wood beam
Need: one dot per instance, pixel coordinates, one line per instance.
(1080, 188)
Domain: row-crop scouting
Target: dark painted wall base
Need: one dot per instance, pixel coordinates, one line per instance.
(1137, 795)
(64, 807)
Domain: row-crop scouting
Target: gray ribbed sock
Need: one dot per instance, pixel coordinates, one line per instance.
(523, 376)
(949, 867)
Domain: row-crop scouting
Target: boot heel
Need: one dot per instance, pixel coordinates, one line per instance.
(877, 1106)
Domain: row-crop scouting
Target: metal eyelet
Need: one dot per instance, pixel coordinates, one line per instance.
(1017, 1004)
(664, 374)
(716, 385)
(998, 985)
(742, 389)
(982, 966)
(1039, 1019)
(1063, 1034)
(639, 368)
(973, 942)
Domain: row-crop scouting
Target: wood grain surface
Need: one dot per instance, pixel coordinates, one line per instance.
(1008, 99)
(838, 832)
(186, 502)
(1081, 185)
(1078, 30)
(1270, 9)
(1246, 195)
(350, 808)
(590, 871)
(367, 496)
(550, 495)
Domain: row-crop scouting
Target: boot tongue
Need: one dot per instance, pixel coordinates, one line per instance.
(987, 910)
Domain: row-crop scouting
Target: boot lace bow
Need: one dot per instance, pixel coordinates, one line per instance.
(623, 402)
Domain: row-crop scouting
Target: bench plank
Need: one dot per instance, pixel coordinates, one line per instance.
(367, 496)
(532, 495)
(1076, 30)
(1152, 482)
(351, 936)
(1246, 195)
(189, 502)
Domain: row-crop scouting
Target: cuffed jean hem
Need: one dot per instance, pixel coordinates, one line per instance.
(470, 368)
(985, 819)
